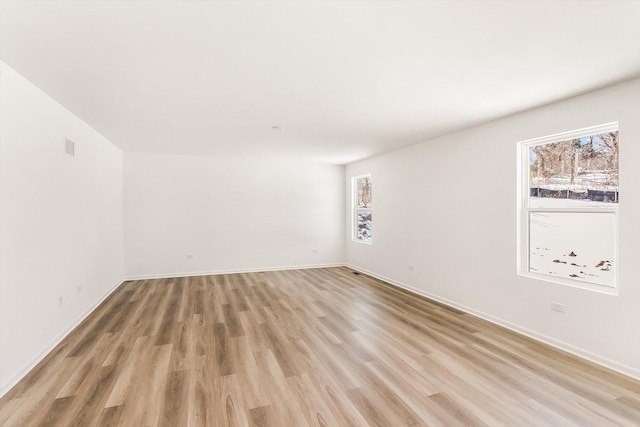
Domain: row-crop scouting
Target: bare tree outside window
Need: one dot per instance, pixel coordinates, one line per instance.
(363, 186)
(584, 168)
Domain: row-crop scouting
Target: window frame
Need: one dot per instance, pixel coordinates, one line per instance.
(355, 209)
(525, 210)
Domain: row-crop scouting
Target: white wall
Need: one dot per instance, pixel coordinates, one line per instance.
(430, 211)
(230, 214)
(60, 223)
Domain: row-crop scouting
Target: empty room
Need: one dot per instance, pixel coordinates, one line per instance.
(319, 213)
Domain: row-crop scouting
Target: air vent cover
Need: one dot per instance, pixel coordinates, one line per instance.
(69, 147)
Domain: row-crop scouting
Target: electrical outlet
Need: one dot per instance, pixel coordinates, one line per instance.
(314, 250)
(556, 306)
(410, 267)
(189, 256)
(79, 288)
(60, 302)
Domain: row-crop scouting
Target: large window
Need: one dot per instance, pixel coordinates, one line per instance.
(568, 208)
(362, 208)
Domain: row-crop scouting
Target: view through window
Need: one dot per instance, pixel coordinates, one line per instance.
(362, 208)
(569, 206)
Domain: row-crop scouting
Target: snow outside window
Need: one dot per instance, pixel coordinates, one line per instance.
(568, 208)
(362, 208)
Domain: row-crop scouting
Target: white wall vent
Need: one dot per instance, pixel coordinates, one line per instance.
(69, 147)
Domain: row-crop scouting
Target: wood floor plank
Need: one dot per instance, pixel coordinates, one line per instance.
(110, 417)
(174, 412)
(261, 416)
(317, 347)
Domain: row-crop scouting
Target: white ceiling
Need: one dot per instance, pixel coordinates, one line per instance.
(346, 80)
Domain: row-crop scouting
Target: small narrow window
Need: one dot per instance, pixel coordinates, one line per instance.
(569, 197)
(362, 208)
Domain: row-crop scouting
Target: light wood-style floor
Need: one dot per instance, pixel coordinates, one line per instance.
(321, 347)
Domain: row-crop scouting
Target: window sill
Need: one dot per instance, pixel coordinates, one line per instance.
(362, 242)
(571, 283)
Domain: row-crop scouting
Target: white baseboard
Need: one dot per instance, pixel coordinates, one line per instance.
(553, 342)
(8, 385)
(241, 270)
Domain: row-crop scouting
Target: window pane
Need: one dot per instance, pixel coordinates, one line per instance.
(363, 225)
(575, 172)
(363, 192)
(578, 246)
